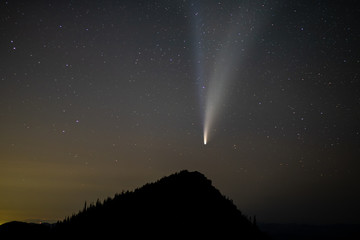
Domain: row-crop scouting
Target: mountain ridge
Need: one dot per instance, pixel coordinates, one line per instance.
(184, 204)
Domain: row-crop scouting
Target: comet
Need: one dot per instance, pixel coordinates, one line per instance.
(218, 88)
(217, 54)
(214, 98)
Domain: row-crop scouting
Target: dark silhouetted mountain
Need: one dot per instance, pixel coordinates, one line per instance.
(19, 230)
(183, 205)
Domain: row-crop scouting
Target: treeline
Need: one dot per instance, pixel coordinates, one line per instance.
(182, 205)
(178, 205)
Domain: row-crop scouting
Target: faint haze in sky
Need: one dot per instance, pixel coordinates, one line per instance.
(103, 96)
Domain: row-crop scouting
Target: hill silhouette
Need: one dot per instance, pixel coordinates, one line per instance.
(182, 205)
(20, 230)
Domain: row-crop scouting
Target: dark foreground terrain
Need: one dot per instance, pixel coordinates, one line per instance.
(184, 205)
(312, 232)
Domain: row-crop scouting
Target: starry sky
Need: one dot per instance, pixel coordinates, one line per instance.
(97, 97)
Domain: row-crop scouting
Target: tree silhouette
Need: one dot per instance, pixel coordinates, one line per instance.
(182, 205)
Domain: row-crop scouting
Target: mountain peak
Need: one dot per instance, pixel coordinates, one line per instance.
(184, 204)
(185, 178)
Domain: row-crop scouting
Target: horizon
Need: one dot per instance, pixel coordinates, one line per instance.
(92, 204)
(261, 97)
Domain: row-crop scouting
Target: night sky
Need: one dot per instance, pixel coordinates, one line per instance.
(97, 97)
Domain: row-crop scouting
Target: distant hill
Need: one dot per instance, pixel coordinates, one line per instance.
(20, 230)
(182, 205)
